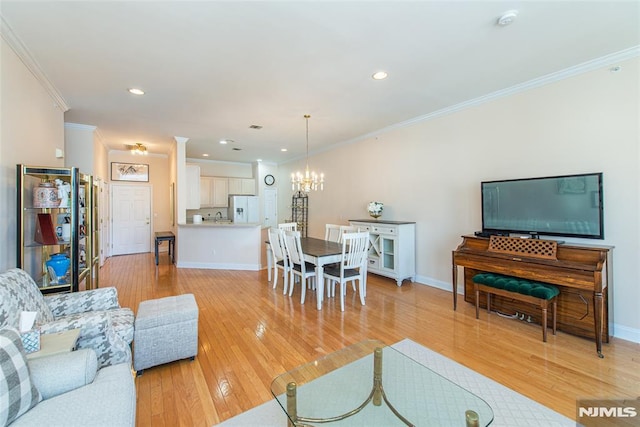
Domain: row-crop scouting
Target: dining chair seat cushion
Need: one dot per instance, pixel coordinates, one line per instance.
(307, 265)
(335, 271)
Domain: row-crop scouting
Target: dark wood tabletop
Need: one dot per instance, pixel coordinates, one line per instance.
(318, 247)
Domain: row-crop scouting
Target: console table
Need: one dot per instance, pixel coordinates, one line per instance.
(582, 272)
(168, 236)
(391, 248)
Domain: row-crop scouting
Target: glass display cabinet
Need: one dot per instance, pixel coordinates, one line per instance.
(55, 227)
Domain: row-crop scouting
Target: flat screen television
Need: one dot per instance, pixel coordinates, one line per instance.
(568, 206)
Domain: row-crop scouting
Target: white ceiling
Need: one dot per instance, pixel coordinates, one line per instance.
(211, 69)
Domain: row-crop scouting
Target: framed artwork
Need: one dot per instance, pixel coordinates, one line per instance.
(129, 172)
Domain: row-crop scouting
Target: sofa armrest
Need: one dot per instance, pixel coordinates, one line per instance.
(60, 373)
(81, 302)
(96, 333)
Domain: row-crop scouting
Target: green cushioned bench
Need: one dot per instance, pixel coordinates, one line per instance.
(540, 294)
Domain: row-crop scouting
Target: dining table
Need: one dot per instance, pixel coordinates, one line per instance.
(320, 252)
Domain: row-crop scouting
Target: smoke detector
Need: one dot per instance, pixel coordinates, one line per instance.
(507, 18)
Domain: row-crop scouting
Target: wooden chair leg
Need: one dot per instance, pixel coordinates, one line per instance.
(477, 291)
(544, 323)
(488, 302)
(554, 308)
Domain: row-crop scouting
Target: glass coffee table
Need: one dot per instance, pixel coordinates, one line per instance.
(370, 384)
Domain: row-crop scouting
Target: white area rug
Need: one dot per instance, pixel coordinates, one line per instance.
(510, 409)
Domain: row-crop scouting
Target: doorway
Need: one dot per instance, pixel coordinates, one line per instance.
(270, 207)
(131, 219)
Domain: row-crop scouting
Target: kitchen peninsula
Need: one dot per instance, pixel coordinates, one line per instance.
(219, 245)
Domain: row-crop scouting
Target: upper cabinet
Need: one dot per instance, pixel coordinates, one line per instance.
(214, 192)
(242, 186)
(220, 196)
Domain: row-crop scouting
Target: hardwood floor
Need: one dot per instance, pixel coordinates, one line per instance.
(249, 333)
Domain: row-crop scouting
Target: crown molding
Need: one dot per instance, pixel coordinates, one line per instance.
(79, 126)
(604, 61)
(32, 65)
(585, 67)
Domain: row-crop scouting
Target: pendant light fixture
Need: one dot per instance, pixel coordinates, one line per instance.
(139, 149)
(308, 180)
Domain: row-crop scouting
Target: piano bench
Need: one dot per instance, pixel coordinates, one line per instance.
(540, 294)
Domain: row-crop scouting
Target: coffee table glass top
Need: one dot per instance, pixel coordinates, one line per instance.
(343, 381)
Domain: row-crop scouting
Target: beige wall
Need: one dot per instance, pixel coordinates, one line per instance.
(31, 128)
(217, 168)
(430, 172)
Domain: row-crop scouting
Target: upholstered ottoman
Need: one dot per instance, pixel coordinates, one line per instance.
(165, 330)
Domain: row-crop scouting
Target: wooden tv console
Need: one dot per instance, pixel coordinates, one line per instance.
(582, 272)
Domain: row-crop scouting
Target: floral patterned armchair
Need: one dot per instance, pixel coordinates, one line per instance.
(104, 325)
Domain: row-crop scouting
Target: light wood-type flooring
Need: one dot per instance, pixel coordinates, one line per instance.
(249, 333)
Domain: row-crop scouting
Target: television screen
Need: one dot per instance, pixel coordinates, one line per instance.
(569, 205)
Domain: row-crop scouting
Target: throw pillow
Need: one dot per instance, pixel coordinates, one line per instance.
(17, 393)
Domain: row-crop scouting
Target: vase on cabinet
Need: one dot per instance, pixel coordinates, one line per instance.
(45, 195)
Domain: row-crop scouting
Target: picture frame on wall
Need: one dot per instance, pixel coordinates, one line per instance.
(137, 172)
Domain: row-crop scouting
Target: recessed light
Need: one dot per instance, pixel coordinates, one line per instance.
(205, 155)
(380, 75)
(283, 149)
(136, 91)
(258, 160)
(225, 141)
(257, 127)
(615, 69)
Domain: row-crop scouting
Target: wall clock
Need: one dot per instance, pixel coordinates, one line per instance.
(269, 179)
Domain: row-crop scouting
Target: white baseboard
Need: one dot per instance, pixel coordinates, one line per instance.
(619, 331)
(626, 333)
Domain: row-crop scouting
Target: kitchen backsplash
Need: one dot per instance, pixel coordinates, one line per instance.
(207, 213)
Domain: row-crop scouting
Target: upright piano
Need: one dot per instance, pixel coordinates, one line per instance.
(583, 274)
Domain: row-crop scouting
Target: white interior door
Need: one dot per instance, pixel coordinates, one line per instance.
(105, 220)
(131, 219)
(270, 207)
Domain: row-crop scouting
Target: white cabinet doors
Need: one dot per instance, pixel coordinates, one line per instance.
(206, 192)
(242, 186)
(213, 192)
(220, 196)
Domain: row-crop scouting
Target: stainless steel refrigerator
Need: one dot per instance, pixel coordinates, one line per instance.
(244, 209)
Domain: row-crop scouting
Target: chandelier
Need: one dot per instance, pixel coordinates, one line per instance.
(308, 180)
(139, 149)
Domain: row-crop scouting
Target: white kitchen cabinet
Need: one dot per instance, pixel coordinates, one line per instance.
(220, 192)
(242, 186)
(206, 192)
(391, 248)
(213, 192)
(193, 187)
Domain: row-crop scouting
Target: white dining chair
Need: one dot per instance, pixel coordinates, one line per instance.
(347, 229)
(299, 267)
(352, 266)
(332, 233)
(288, 226)
(280, 259)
